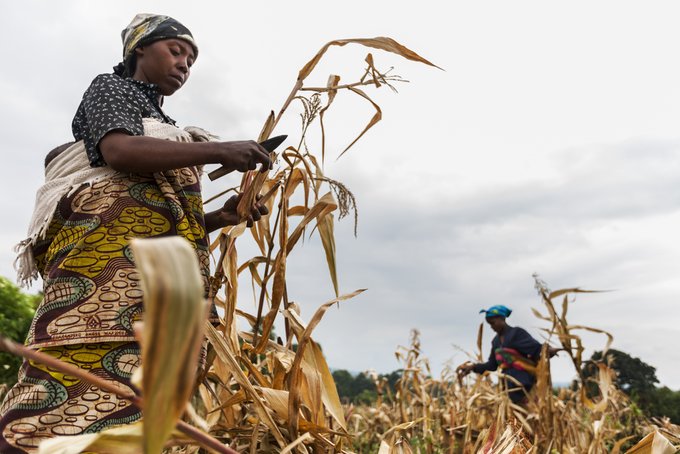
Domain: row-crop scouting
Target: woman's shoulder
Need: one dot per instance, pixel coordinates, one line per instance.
(518, 331)
(514, 333)
(106, 88)
(107, 80)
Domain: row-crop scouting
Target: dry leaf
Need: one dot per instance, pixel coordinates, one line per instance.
(175, 313)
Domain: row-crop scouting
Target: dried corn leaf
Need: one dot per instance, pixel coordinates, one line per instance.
(267, 127)
(323, 206)
(295, 374)
(126, 439)
(277, 400)
(382, 43)
(310, 393)
(480, 333)
(175, 313)
(297, 210)
(297, 177)
(384, 447)
(329, 392)
(280, 262)
(224, 353)
(610, 338)
(401, 446)
(617, 446)
(653, 443)
(377, 116)
(332, 85)
(326, 232)
(564, 291)
(301, 439)
(541, 316)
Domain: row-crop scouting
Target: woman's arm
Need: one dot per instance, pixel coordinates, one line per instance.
(525, 344)
(491, 364)
(479, 368)
(140, 154)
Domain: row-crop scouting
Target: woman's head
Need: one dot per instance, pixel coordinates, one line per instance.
(166, 63)
(144, 32)
(495, 317)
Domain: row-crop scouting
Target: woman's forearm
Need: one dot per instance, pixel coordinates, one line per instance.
(217, 219)
(141, 154)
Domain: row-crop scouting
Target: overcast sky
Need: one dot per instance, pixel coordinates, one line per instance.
(549, 144)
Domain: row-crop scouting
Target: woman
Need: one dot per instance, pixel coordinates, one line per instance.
(514, 350)
(131, 174)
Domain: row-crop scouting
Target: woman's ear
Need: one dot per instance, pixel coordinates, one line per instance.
(139, 51)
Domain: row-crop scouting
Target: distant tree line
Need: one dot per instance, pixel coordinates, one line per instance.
(638, 380)
(361, 388)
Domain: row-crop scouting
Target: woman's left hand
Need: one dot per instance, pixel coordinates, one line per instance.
(552, 351)
(227, 215)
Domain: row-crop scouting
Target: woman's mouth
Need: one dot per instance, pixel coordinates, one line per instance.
(179, 79)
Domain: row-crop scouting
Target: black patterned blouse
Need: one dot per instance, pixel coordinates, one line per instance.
(113, 103)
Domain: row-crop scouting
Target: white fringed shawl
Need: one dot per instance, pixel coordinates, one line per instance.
(68, 172)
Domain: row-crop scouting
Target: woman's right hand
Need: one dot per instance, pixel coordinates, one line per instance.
(141, 154)
(465, 368)
(243, 155)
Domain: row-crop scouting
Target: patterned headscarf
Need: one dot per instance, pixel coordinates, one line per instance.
(497, 311)
(145, 29)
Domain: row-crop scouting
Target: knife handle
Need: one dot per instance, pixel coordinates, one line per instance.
(215, 174)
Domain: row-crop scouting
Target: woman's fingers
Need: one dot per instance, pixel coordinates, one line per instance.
(256, 211)
(262, 156)
(244, 155)
(260, 207)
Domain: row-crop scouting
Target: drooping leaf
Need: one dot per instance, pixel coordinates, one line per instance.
(377, 116)
(327, 234)
(175, 313)
(382, 43)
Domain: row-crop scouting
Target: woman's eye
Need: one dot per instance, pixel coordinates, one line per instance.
(174, 52)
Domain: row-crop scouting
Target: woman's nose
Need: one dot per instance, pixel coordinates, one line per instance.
(183, 65)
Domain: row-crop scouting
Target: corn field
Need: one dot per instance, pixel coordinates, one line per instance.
(258, 393)
(450, 415)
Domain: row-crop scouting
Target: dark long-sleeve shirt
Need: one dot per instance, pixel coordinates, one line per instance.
(518, 339)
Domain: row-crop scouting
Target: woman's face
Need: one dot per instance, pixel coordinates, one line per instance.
(166, 63)
(497, 323)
